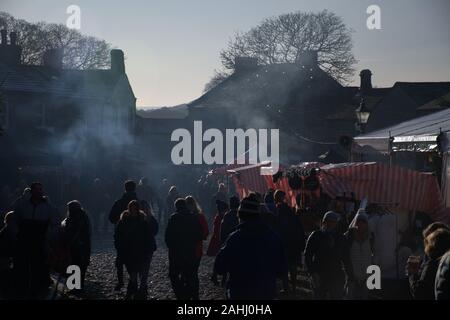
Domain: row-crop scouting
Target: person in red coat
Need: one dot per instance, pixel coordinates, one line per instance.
(195, 208)
(215, 242)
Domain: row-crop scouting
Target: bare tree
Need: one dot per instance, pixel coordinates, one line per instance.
(80, 51)
(283, 39)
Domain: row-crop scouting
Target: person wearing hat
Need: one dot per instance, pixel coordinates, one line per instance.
(325, 256)
(252, 256)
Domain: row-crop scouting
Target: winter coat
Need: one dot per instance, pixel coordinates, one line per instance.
(326, 253)
(76, 236)
(120, 206)
(360, 255)
(290, 230)
(229, 223)
(422, 284)
(442, 283)
(134, 239)
(183, 233)
(253, 257)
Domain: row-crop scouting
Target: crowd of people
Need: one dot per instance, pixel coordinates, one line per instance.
(259, 243)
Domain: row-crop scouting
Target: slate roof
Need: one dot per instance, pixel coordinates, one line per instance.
(88, 84)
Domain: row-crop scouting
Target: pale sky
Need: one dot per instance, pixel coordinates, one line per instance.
(172, 46)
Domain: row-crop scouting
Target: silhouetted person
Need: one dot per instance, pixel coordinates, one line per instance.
(36, 221)
(290, 230)
(442, 283)
(146, 192)
(422, 274)
(76, 236)
(325, 255)
(25, 196)
(183, 234)
(144, 271)
(7, 246)
(98, 206)
(170, 204)
(252, 256)
(196, 210)
(134, 240)
(220, 195)
(114, 216)
(230, 220)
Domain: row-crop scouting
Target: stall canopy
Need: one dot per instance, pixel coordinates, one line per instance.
(378, 183)
(417, 135)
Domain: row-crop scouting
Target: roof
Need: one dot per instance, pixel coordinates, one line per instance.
(90, 84)
(417, 129)
(423, 92)
(264, 86)
(176, 112)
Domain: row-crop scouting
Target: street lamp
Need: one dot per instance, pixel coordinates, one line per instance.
(362, 116)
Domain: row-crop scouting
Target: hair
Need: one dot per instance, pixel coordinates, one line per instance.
(180, 204)
(130, 185)
(433, 227)
(34, 185)
(172, 189)
(144, 205)
(127, 212)
(8, 217)
(191, 202)
(234, 202)
(279, 195)
(26, 191)
(437, 243)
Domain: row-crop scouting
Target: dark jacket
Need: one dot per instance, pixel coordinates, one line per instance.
(76, 235)
(120, 206)
(229, 223)
(442, 284)
(289, 228)
(253, 257)
(422, 285)
(327, 253)
(134, 239)
(183, 233)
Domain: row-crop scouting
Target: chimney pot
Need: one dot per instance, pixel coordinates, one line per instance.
(117, 61)
(4, 33)
(366, 81)
(13, 38)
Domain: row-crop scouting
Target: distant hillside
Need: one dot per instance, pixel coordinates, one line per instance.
(175, 112)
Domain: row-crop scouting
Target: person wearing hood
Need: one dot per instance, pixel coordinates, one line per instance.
(171, 197)
(114, 216)
(325, 256)
(252, 257)
(360, 246)
(76, 236)
(36, 222)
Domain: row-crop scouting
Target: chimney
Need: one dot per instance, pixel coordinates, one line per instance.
(366, 81)
(244, 64)
(10, 53)
(53, 58)
(13, 38)
(3, 34)
(309, 58)
(117, 62)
